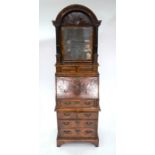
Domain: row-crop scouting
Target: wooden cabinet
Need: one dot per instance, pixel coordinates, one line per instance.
(77, 77)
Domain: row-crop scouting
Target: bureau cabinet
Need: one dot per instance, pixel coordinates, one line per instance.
(77, 77)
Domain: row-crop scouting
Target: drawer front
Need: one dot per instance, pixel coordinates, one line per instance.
(67, 123)
(79, 132)
(88, 124)
(85, 69)
(75, 69)
(68, 69)
(87, 115)
(77, 115)
(88, 132)
(67, 133)
(77, 87)
(77, 124)
(77, 103)
(66, 115)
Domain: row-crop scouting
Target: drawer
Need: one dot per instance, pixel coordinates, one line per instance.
(67, 123)
(79, 132)
(69, 103)
(88, 124)
(85, 69)
(66, 115)
(77, 103)
(77, 115)
(77, 124)
(87, 115)
(88, 132)
(70, 69)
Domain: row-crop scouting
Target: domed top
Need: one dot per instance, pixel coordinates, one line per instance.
(78, 15)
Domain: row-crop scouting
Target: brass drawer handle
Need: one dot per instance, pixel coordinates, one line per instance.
(88, 131)
(67, 114)
(71, 102)
(67, 103)
(67, 131)
(89, 123)
(66, 123)
(76, 102)
(88, 115)
(77, 131)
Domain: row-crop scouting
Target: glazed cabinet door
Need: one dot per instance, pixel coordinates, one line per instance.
(77, 43)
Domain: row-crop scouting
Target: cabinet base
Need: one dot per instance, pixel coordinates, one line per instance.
(61, 141)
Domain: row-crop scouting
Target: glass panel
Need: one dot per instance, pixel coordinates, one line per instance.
(77, 43)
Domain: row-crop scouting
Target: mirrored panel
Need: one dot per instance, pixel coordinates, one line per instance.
(77, 43)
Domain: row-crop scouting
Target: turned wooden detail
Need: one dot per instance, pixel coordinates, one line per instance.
(77, 77)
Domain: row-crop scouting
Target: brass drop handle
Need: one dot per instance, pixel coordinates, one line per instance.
(67, 114)
(67, 131)
(88, 115)
(77, 131)
(66, 123)
(88, 131)
(67, 103)
(89, 123)
(72, 102)
(87, 102)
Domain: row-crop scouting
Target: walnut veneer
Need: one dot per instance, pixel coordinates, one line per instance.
(77, 77)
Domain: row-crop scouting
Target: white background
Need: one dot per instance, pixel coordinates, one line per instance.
(19, 79)
(105, 11)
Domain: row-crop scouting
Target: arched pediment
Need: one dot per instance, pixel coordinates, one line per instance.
(76, 15)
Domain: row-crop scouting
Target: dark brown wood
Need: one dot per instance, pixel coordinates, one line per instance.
(77, 77)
